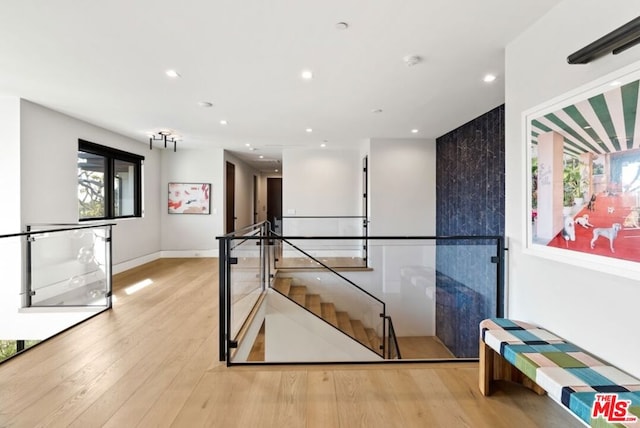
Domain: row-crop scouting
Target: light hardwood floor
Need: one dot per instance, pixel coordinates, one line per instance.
(152, 361)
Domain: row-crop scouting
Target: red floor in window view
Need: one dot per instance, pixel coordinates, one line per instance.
(607, 211)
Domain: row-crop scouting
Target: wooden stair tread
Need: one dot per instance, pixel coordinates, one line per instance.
(313, 303)
(359, 332)
(344, 323)
(298, 294)
(283, 285)
(329, 313)
(374, 339)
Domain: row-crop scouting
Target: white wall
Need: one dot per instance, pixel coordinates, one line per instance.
(594, 310)
(402, 184)
(10, 248)
(49, 153)
(10, 164)
(188, 234)
(38, 170)
(402, 202)
(322, 182)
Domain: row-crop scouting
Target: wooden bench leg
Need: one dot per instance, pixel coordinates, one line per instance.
(493, 367)
(485, 368)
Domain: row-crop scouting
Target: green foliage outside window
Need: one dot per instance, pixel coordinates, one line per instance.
(9, 348)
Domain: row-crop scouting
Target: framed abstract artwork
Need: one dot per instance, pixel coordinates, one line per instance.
(189, 198)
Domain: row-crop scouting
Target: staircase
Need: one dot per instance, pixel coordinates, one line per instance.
(327, 311)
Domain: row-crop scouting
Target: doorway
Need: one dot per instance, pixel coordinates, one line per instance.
(231, 198)
(274, 203)
(255, 199)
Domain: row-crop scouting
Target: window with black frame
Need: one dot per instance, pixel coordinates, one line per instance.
(109, 182)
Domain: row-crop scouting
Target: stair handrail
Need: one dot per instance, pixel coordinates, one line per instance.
(325, 266)
(383, 315)
(391, 335)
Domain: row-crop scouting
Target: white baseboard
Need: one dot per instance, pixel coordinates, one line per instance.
(130, 264)
(188, 253)
(138, 261)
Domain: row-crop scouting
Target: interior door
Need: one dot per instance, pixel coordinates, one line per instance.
(274, 203)
(231, 198)
(255, 199)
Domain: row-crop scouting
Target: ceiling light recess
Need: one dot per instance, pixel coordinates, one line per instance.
(342, 25)
(172, 74)
(307, 74)
(489, 78)
(411, 60)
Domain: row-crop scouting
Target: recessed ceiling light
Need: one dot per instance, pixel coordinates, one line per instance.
(276, 170)
(205, 104)
(323, 145)
(309, 130)
(377, 110)
(261, 157)
(342, 25)
(172, 73)
(307, 74)
(248, 144)
(489, 78)
(223, 122)
(411, 60)
(414, 131)
(253, 149)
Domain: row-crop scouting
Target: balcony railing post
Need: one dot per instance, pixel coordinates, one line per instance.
(108, 263)
(500, 278)
(27, 270)
(222, 302)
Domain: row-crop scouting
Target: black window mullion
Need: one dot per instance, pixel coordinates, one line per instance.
(110, 156)
(109, 191)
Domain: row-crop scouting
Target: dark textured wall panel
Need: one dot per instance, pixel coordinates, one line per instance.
(470, 177)
(469, 201)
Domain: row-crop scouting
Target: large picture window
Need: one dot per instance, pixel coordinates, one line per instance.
(109, 182)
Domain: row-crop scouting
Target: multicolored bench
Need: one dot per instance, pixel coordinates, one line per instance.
(599, 394)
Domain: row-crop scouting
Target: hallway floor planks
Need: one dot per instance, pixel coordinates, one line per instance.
(152, 361)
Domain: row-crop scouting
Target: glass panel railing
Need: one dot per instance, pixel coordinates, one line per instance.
(69, 268)
(334, 251)
(247, 277)
(419, 298)
(310, 316)
(53, 277)
(436, 291)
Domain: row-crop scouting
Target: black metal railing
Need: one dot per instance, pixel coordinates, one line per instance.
(437, 289)
(392, 348)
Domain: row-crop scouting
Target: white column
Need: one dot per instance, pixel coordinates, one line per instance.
(550, 187)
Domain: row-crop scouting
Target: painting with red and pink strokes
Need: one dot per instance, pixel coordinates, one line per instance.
(189, 198)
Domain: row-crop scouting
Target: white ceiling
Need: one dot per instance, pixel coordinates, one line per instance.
(104, 62)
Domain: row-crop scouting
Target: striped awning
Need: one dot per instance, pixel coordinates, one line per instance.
(605, 123)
